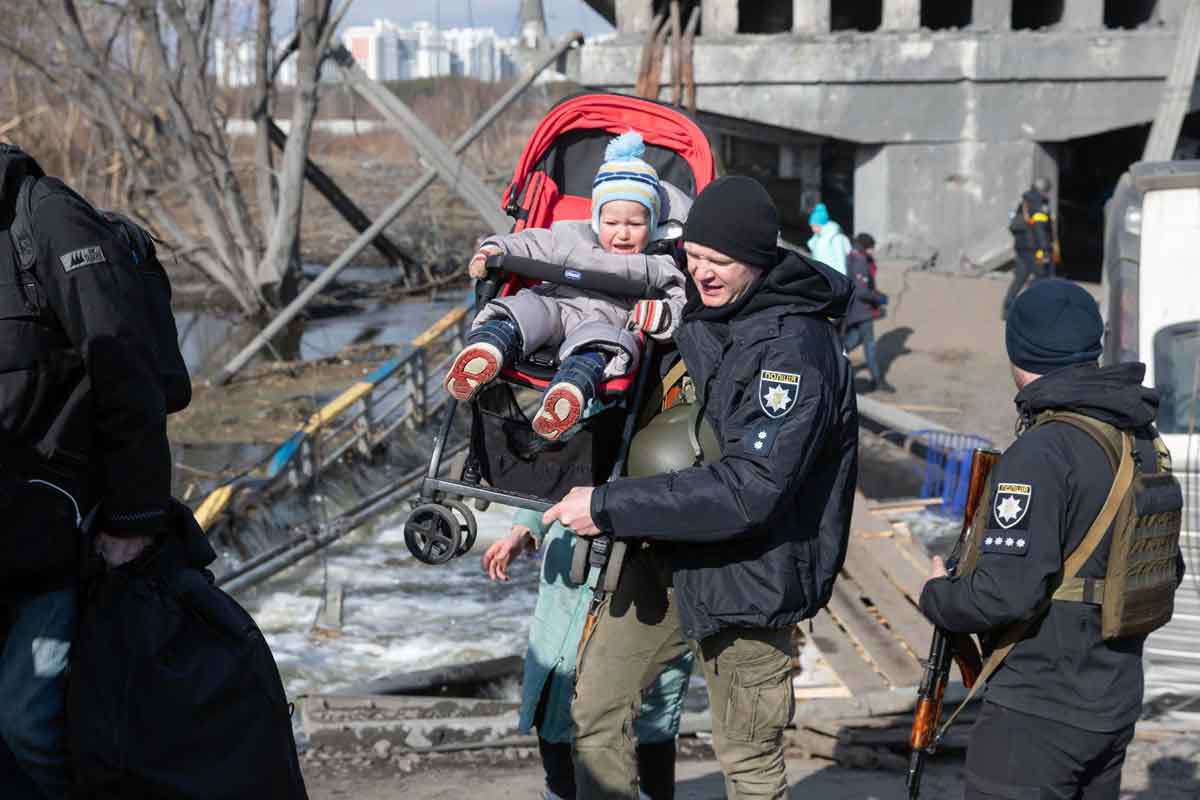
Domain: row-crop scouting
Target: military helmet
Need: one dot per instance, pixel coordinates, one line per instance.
(676, 439)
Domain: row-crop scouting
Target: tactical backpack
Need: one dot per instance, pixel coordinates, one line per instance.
(169, 363)
(1144, 510)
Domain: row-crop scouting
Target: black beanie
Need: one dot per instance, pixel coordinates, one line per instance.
(1053, 324)
(735, 216)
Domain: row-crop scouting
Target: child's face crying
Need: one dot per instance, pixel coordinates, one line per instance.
(624, 227)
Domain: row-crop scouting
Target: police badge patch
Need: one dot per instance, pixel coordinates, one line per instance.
(1010, 508)
(777, 392)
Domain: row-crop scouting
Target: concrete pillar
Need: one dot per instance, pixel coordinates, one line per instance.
(945, 203)
(810, 16)
(1083, 14)
(719, 17)
(991, 15)
(901, 15)
(634, 16)
(809, 172)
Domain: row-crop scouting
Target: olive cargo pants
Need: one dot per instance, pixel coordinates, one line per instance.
(747, 670)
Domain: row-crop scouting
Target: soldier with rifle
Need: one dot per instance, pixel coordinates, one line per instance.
(740, 549)
(1073, 560)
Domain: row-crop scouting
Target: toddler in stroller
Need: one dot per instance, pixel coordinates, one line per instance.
(595, 334)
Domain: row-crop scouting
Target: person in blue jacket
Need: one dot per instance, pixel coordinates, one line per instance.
(828, 244)
(549, 680)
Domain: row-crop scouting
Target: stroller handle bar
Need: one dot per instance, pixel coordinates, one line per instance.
(601, 282)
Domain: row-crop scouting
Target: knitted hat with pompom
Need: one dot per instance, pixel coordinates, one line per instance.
(625, 176)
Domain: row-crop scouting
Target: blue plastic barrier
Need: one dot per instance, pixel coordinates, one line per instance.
(948, 467)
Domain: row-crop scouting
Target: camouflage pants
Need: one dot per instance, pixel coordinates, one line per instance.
(747, 670)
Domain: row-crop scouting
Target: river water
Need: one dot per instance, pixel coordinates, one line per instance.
(398, 614)
(401, 615)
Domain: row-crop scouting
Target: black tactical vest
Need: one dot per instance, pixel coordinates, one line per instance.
(39, 371)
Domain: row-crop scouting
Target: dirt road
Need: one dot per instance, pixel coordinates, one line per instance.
(942, 346)
(1162, 765)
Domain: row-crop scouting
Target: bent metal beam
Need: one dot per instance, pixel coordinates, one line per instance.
(443, 163)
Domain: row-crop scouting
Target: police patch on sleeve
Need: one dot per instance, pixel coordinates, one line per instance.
(1010, 507)
(777, 392)
(82, 257)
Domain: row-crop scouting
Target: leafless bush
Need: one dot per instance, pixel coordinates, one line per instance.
(132, 109)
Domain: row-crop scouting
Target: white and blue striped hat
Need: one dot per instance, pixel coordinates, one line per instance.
(625, 176)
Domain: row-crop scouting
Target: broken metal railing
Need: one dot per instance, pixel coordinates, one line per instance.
(361, 418)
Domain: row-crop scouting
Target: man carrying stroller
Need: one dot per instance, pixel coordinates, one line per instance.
(739, 550)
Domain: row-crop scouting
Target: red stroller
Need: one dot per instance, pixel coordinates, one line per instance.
(552, 181)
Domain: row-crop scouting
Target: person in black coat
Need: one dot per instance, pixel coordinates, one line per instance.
(747, 545)
(867, 307)
(1032, 227)
(82, 425)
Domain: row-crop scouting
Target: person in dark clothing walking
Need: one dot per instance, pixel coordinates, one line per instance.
(867, 307)
(1060, 709)
(747, 545)
(1033, 240)
(82, 425)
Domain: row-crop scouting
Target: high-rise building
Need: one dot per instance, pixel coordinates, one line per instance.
(387, 51)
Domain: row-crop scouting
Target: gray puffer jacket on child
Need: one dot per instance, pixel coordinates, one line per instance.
(574, 319)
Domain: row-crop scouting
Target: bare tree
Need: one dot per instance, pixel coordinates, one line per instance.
(141, 72)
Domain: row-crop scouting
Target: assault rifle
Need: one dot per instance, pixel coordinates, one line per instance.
(927, 731)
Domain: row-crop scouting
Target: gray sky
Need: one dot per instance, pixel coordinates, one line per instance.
(561, 15)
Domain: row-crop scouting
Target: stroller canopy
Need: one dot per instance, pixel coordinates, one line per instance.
(553, 177)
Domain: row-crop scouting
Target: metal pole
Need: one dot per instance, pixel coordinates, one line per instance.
(453, 171)
(390, 213)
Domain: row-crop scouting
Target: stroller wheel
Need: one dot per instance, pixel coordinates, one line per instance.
(468, 526)
(432, 534)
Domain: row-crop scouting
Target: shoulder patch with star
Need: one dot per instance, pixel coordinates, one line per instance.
(1010, 507)
(777, 392)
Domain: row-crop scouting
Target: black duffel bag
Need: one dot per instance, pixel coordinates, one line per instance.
(173, 691)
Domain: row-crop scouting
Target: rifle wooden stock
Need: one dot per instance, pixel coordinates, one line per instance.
(982, 462)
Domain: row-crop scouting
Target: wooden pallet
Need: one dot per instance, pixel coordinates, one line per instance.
(872, 634)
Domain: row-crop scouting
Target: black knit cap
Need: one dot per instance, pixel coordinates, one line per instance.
(735, 216)
(1053, 324)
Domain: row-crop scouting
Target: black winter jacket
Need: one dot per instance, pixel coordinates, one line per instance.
(1038, 232)
(80, 399)
(866, 297)
(757, 538)
(1063, 670)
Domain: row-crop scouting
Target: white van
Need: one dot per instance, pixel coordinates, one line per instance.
(1151, 306)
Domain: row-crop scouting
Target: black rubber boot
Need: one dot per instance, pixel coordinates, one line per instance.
(559, 768)
(656, 769)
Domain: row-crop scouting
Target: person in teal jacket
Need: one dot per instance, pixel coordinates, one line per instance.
(828, 244)
(549, 681)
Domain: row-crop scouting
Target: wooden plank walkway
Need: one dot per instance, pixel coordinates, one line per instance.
(872, 635)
